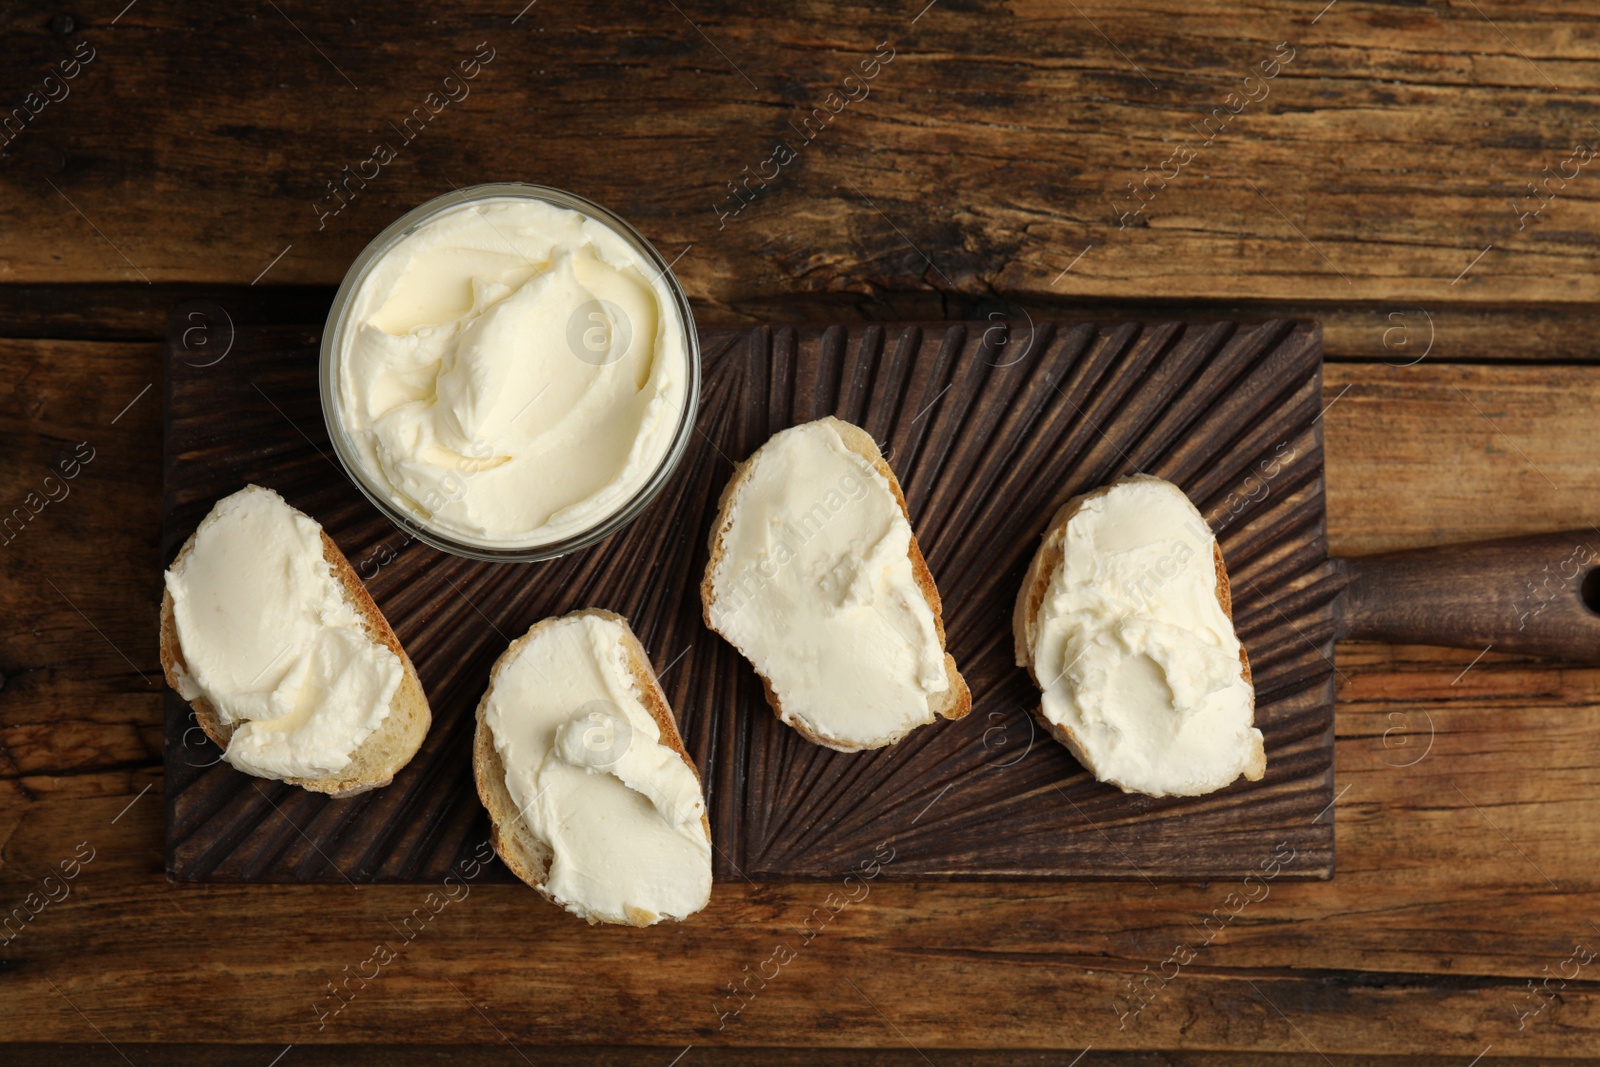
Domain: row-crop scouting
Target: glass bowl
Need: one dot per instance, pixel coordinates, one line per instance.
(338, 326)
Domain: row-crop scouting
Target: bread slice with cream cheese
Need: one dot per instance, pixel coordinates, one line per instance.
(593, 799)
(1124, 621)
(382, 752)
(815, 576)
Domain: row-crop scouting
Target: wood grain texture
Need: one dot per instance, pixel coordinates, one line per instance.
(1536, 595)
(1440, 453)
(1422, 946)
(220, 1055)
(1395, 334)
(998, 144)
(989, 435)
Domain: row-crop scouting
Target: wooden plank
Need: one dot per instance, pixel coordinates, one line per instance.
(140, 312)
(1001, 144)
(219, 1055)
(1423, 943)
(1437, 453)
(80, 561)
(1397, 332)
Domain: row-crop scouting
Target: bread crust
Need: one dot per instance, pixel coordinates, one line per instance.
(402, 729)
(1047, 559)
(958, 696)
(524, 854)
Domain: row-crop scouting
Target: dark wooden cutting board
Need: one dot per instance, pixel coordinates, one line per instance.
(989, 431)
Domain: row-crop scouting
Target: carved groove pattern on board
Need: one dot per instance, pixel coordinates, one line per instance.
(989, 431)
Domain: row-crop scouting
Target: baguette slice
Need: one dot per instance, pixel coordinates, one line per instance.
(954, 703)
(386, 750)
(1047, 560)
(527, 855)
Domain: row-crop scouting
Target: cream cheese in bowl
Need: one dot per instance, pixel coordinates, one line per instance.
(510, 371)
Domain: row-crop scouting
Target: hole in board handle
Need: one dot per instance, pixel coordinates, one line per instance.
(1590, 590)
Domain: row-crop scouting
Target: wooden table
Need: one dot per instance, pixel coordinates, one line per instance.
(1378, 180)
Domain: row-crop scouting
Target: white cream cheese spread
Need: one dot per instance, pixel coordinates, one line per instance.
(591, 777)
(512, 372)
(815, 587)
(270, 640)
(1137, 660)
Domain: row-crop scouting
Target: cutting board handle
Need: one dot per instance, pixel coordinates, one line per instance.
(1538, 595)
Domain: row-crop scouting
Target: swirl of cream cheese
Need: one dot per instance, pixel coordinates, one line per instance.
(512, 372)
